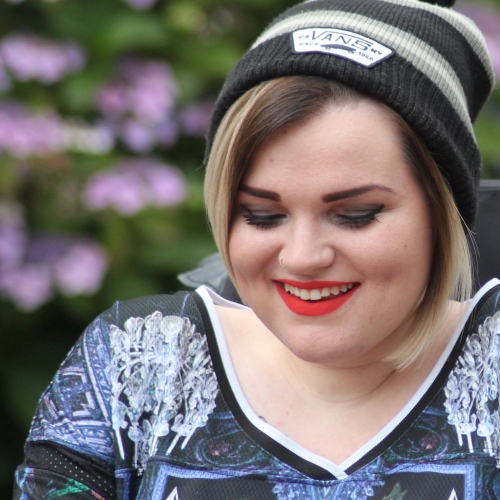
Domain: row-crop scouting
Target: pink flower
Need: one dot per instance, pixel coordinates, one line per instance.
(13, 242)
(152, 91)
(28, 286)
(166, 185)
(112, 99)
(23, 133)
(81, 269)
(138, 137)
(140, 104)
(114, 188)
(30, 57)
(134, 184)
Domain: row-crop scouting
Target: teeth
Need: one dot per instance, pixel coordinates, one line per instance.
(317, 293)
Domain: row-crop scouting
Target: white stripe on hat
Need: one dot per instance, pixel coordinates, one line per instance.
(462, 24)
(422, 55)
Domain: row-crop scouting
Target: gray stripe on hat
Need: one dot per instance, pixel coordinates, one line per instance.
(462, 24)
(423, 56)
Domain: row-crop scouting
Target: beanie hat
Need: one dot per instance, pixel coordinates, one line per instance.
(427, 62)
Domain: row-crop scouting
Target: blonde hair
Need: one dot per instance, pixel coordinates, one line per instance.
(261, 111)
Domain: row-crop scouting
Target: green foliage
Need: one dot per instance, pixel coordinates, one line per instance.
(200, 40)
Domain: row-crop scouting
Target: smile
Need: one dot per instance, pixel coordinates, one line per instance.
(315, 298)
(317, 293)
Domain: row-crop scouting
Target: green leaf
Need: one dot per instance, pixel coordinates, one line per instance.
(132, 32)
(488, 134)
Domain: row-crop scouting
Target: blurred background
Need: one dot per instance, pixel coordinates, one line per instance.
(103, 108)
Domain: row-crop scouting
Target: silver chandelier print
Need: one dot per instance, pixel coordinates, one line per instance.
(162, 380)
(472, 391)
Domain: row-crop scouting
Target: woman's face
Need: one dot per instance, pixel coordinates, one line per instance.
(334, 198)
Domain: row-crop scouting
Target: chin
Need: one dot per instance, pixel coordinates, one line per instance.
(313, 350)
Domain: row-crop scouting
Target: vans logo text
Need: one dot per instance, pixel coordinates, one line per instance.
(346, 44)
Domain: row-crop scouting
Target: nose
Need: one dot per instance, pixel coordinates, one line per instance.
(308, 249)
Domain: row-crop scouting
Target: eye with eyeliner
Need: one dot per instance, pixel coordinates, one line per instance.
(363, 218)
(360, 219)
(263, 221)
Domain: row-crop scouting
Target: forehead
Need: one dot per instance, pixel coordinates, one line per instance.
(356, 143)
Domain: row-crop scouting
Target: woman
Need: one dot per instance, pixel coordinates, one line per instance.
(342, 175)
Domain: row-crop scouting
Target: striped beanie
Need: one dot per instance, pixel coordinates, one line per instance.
(427, 62)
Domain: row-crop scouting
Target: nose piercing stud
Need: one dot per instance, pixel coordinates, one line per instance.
(281, 261)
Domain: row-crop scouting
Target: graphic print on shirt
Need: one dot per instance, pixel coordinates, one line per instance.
(78, 394)
(162, 379)
(472, 391)
(430, 482)
(174, 495)
(423, 459)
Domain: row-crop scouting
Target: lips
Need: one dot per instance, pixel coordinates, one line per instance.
(302, 298)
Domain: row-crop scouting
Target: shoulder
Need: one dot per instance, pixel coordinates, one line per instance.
(487, 308)
(182, 304)
(79, 409)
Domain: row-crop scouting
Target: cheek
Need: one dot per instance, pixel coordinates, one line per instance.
(249, 248)
(401, 253)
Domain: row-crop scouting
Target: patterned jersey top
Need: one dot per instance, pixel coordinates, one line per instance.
(147, 406)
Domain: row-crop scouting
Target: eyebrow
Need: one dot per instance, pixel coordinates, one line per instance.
(260, 193)
(327, 198)
(351, 193)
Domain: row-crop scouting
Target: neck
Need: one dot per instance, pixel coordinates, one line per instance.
(332, 385)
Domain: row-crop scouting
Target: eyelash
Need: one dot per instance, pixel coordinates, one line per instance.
(351, 221)
(263, 221)
(357, 221)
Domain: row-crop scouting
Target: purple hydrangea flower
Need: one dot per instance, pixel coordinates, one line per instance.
(77, 266)
(81, 269)
(138, 137)
(488, 21)
(115, 188)
(140, 104)
(195, 118)
(30, 57)
(144, 89)
(30, 271)
(166, 185)
(23, 133)
(152, 92)
(28, 286)
(13, 241)
(112, 100)
(134, 184)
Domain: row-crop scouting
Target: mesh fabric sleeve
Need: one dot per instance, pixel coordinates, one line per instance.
(69, 449)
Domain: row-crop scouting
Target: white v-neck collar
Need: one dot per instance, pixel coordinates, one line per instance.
(211, 299)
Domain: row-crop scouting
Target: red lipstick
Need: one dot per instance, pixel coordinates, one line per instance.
(316, 307)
